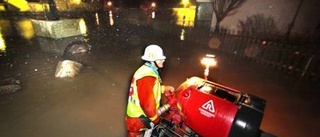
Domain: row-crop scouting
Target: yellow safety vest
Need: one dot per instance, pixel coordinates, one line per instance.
(133, 108)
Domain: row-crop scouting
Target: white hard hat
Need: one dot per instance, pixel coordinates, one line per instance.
(153, 53)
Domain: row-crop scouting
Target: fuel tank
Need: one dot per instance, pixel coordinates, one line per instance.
(214, 110)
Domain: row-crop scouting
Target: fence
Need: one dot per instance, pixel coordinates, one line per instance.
(302, 61)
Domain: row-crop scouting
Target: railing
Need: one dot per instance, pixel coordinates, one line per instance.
(302, 61)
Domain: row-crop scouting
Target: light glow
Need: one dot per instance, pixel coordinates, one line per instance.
(185, 16)
(209, 60)
(182, 34)
(153, 14)
(241, 124)
(97, 19)
(38, 7)
(109, 3)
(2, 8)
(75, 2)
(153, 5)
(2, 43)
(185, 3)
(21, 4)
(25, 28)
(111, 18)
(82, 26)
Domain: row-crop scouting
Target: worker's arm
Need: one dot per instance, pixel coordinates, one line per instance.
(147, 101)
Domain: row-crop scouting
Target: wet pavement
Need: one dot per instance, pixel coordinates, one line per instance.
(92, 104)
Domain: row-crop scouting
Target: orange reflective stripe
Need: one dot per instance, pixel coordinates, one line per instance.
(153, 118)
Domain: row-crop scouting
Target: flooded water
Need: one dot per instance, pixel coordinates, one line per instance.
(93, 102)
(90, 104)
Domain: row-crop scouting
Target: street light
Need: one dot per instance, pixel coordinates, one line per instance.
(153, 8)
(208, 61)
(109, 3)
(153, 5)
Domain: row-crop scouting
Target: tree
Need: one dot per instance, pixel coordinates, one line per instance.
(259, 26)
(223, 8)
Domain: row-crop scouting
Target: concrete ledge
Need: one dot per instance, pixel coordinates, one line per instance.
(57, 45)
(57, 28)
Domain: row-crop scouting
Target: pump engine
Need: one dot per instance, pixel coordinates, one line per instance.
(210, 109)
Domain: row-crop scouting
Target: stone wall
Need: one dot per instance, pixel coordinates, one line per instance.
(57, 28)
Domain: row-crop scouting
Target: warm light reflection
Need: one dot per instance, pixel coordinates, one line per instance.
(25, 28)
(153, 14)
(2, 8)
(38, 7)
(76, 2)
(97, 19)
(111, 18)
(208, 61)
(83, 26)
(2, 44)
(22, 5)
(6, 28)
(185, 16)
(183, 32)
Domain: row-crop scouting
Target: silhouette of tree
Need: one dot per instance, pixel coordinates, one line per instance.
(259, 26)
(223, 8)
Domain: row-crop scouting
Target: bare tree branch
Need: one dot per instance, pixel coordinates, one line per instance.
(223, 8)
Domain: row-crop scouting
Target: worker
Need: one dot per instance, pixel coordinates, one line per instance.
(145, 93)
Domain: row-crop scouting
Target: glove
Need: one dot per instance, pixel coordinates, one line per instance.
(147, 122)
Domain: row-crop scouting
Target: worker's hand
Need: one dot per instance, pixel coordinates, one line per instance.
(172, 102)
(147, 122)
(169, 88)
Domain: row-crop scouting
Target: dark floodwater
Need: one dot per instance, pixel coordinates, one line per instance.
(93, 103)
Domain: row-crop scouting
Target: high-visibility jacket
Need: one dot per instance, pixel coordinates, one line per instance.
(134, 109)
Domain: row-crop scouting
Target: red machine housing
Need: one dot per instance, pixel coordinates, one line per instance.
(213, 110)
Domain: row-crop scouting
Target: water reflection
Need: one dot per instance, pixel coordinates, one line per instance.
(111, 18)
(97, 19)
(25, 28)
(58, 45)
(182, 34)
(185, 18)
(2, 44)
(153, 14)
(83, 26)
(6, 28)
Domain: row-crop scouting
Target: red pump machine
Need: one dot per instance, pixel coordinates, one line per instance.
(209, 109)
